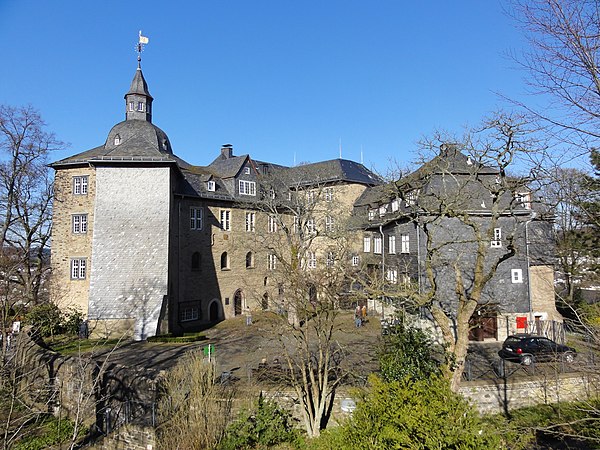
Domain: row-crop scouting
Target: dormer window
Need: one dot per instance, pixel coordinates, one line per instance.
(140, 106)
(117, 139)
(210, 186)
(524, 198)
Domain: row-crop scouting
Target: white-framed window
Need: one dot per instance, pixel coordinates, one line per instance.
(330, 259)
(272, 261)
(395, 205)
(211, 186)
(516, 275)
(312, 260)
(524, 198)
(78, 268)
(80, 185)
(272, 224)
(392, 275)
(328, 194)
(367, 244)
(411, 198)
(272, 194)
(247, 170)
(131, 106)
(497, 241)
(310, 197)
(79, 223)
(247, 187)
(196, 217)
(355, 260)
(310, 225)
(391, 244)
(372, 213)
(140, 106)
(188, 313)
(377, 245)
(250, 221)
(225, 216)
(383, 210)
(329, 224)
(117, 140)
(405, 243)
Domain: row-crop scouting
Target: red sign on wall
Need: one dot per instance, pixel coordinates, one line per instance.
(522, 322)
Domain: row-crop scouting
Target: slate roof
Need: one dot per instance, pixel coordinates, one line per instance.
(227, 167)
(141, 141)
(331, 171)
(138, 84)
(449, 160)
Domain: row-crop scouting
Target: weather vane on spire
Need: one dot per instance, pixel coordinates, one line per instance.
(143, 40)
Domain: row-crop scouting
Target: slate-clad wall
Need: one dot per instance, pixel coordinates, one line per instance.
(130, 250)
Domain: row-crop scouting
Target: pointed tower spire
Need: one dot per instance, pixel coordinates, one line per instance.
(138, 101)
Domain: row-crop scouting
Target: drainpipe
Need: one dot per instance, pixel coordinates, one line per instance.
(382, 270)
(529, 297)
(418, 230)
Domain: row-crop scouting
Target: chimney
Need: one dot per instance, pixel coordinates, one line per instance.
(227, 150)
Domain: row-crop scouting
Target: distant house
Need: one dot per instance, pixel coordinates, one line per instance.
(421, 229)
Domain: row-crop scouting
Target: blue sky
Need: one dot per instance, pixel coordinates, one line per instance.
(281, 80)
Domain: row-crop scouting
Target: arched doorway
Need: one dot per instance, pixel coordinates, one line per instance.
(237, 302)
(213, 312)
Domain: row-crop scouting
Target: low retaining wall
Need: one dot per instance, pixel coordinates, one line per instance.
(89, 391)
(504, 395)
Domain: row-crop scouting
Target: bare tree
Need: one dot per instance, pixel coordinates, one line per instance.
(25, 210)
(562, 62)
(458, 200)
(308, 247)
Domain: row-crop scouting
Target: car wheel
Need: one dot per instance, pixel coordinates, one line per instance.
(569, 357)
(526, 360)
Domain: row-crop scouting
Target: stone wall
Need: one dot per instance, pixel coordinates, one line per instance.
(502, 396)
(66, 291)
(90, 391)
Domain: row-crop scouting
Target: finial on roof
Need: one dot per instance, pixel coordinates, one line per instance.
(142, 40)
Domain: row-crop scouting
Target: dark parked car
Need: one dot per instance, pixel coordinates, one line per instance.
(527, 348)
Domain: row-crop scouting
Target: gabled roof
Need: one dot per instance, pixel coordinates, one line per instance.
(227, 167)
(449, 160)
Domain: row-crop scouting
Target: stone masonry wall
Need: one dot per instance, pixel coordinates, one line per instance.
(88, 391)
(492, 398)
(66, 244)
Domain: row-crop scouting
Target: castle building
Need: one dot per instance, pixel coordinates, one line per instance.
(144, 243)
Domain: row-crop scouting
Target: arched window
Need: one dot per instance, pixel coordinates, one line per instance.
(249, 260)
(196, 261)
(224, 261)
(117, 139)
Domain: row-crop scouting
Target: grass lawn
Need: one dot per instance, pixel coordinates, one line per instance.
(71, 345)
